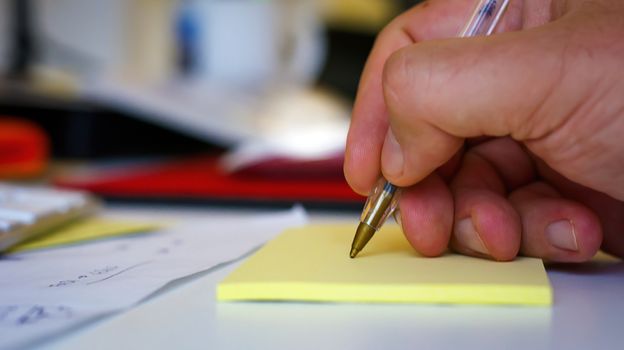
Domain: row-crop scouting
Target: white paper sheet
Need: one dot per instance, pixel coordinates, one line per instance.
(47, 292)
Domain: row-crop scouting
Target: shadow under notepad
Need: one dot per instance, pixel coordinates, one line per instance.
(601, 264)
(350, 326)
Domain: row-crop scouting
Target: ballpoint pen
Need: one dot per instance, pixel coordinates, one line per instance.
(383, 200)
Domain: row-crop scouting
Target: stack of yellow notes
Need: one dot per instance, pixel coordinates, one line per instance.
(312, 264)
(85, 230)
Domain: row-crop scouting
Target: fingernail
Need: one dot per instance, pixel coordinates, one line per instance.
(392, 157)
(468, 237)
(561, 235)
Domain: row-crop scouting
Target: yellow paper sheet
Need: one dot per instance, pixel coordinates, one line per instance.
(87, 229)
(312, 264)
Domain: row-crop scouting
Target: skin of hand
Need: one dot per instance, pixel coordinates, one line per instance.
(505, 145)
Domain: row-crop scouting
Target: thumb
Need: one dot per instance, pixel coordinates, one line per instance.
(440, 92)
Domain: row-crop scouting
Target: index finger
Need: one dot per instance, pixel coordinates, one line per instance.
(369, 122)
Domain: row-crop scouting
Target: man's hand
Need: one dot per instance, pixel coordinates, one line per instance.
(542, 108)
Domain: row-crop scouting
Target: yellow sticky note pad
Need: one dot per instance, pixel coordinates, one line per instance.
(312, 264)
(83, 230)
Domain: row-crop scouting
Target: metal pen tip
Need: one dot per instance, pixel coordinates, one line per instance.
(363, 234)
(354, 253)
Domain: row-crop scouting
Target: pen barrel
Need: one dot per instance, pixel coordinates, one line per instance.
(485, 18)
(380, 205)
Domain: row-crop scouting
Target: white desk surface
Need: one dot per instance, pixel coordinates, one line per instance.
(588, 313)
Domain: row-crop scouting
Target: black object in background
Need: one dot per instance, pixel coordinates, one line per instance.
(23, 50)
(347, 54)
(406, 4)
(89, 131)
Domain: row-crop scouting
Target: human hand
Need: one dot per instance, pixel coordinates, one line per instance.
(548, 178)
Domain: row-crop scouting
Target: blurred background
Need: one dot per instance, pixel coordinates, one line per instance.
(249, 81)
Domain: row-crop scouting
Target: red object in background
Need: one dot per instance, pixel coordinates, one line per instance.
(24, 148)
(285, 168)
(202, 178)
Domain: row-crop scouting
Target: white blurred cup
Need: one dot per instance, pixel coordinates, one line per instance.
(255, 43)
